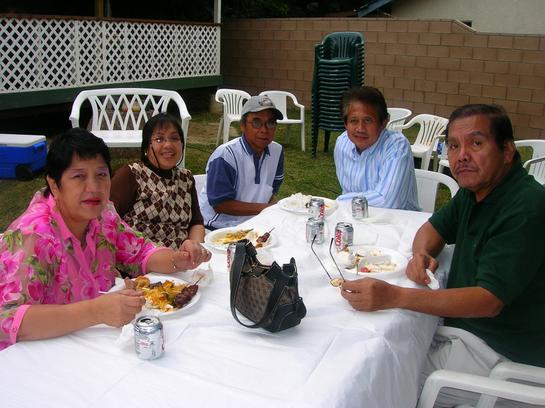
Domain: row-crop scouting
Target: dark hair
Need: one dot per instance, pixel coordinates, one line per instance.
(75, 141)
(158, 121)
(368, 95)
(500, 124)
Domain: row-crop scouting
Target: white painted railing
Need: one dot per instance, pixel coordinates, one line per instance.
(58, 53)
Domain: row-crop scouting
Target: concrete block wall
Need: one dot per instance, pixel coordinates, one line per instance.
(428, 66)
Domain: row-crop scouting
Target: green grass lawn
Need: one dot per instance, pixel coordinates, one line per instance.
(302, 173)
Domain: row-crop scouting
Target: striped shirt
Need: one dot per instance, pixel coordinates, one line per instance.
(383, 173)
(234, 172)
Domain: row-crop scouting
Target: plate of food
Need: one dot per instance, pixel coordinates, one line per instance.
(165, 295)
(372, 261)
(298, 203)
(221, 238)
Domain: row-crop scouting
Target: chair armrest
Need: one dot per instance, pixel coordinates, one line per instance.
(409, 124)
(76, 107)
(481, 385)
(535, 160)
(510, 370)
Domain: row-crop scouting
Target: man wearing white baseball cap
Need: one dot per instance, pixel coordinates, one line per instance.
(243, 174)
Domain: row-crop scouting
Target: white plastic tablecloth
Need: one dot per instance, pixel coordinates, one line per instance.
(336, 357)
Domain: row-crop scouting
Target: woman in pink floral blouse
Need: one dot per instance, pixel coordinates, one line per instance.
(58, 256)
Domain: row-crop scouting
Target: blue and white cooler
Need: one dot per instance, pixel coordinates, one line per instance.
(21, 155)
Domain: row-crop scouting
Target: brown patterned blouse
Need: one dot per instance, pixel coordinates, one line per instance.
(162, 204)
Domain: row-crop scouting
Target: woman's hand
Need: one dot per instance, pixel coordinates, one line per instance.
(118, 308)
(416, 268)
(197, 254)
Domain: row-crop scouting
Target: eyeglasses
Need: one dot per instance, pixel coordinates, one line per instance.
(258, 123)
(332, 281)
(172, 139)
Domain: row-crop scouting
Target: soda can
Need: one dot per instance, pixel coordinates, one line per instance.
(149, 341)
(316, 208)
(231, 248)
(344, 235)
(360, 208)
(315, 227)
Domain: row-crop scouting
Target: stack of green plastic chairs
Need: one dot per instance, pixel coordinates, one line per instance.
(338, 66)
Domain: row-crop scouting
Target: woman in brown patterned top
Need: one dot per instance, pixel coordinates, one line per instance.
(156, 197)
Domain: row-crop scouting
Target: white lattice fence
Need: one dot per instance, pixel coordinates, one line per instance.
(39, 54)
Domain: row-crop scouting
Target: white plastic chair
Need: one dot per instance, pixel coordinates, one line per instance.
(497, 385)
(280, 100)
(118, 114)
(397, 118)
(427, 183)
(431, 126)
(200, 181)
(232, 101)
(535, 166)
(443, 155)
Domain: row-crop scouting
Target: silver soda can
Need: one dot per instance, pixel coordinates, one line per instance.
(315, 227)
(231, 248)
(149, 341)
(316, 208)
(344, 235)
(360, 208)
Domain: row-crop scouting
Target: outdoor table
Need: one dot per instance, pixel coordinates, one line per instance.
(336, 357)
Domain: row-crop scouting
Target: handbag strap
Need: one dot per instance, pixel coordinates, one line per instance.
(243, 250)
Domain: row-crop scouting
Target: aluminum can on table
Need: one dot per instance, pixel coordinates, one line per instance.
(360, 208)
(316, 208)
(231, 249)
(149, 341)
(344, 235)
(315, 227)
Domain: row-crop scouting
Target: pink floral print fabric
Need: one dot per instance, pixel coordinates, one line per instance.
(42, 262)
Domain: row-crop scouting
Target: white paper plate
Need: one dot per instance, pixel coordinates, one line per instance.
(397, 258)
(119, 285)
(211, 239)
(289, 204)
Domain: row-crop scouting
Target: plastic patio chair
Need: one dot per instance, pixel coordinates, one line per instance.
(431, 126)
(442, 154)
(232, 101)
(280, 100)
(427, 183)
(397, 118)
(499, 384)
(535, 166)
(200, 181)
(118, 114)
(537, 146)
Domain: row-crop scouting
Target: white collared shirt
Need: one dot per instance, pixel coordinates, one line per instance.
(383, 173)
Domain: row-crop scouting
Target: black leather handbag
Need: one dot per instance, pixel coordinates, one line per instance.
(266, 295)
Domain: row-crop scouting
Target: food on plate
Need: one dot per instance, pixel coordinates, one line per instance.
(141, 282)
(371, 261)
(262, 240)
(232, 237)
(255, 237)
(166, 296)
(374, 261)
(346, 258)
(300, 201)
(185, 296)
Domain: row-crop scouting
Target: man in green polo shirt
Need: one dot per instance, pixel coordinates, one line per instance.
(496, 284)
